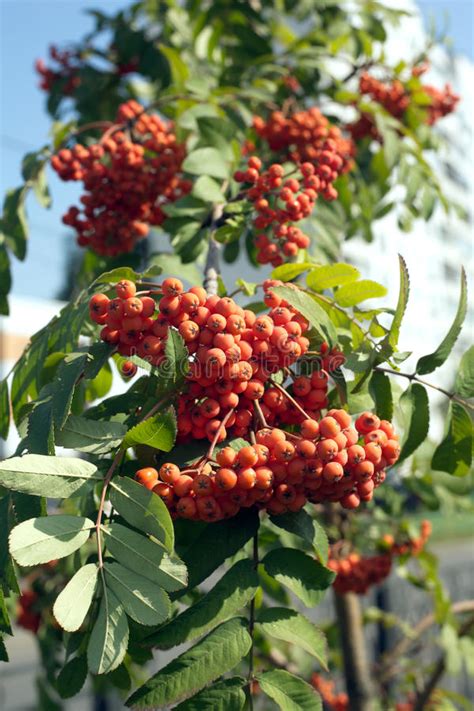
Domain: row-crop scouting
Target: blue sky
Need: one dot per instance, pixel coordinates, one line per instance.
(27, 27)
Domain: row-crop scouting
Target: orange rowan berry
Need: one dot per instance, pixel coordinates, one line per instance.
(246, 478)
(169, 473)
(148, 477)
(226, 479)
(125, 289)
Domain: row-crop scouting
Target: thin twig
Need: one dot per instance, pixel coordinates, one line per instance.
(424, 696)
(117, 460)
(211, 449)
(412, 377)
(291, 399)
(260, 414)
(212, 269)
(388, 668)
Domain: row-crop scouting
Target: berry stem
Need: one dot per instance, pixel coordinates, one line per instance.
(91, 126)
(260, 414)
(412, 377)
(291, 399)
(211, 449)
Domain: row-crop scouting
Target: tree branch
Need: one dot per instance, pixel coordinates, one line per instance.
(212, 268)
(388, 669)
(424, 696)
(356, 665)
(412, 377)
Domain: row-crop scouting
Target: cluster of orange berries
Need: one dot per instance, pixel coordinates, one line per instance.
(278, 205)
(308, 136)
(128, 176)
(443, 102)
(409, 545)
(282, 470)
(339, 701)
(320, 154)
(233, 352)
(357, 573)
(64, 76)
(395, 98)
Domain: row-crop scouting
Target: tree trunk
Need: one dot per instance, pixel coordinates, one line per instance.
(356, 665)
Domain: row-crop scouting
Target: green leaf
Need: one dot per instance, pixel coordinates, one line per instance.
(352, 294)
(464, 384)
(205, 188)
(293, 627)
(415, 402)
(5, 626)
(91, 436)
(143, 600)
(454, 454)
(72, 677)
(174, 368)
(26, 506)
(158, 432)
(380, 390)
(116, 275)
(206, 161)
(4, 409)
(213, 656)
(179, 68)
(288, 272)
(289, 692)
(217, 542)
(331, 275)
(74, 601)
(3, 651)
(187, 207)
(54, 477)
(143, 509)
(5, 278)
(248, 288)
(64, 384)
(303, 575)
(109, 637)
(225, 695)
(307, 307)
(306, 527)
(40, 429)
(145, 557)
(429, 363)
(13, 224)
(174, 574)
(233, 591)
(40, 540)
(394, 333)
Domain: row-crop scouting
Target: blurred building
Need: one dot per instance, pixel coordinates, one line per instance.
(26, 317)
(434, 251)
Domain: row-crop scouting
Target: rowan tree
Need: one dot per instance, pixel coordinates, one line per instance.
(265, 432)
